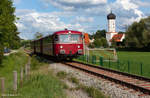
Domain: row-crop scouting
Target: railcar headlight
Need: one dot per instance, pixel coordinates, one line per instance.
(78, 46)
(62, 51)
(80, 51)
(61, 47)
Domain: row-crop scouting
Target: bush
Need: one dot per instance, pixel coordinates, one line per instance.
(34, 62)
(62, 74)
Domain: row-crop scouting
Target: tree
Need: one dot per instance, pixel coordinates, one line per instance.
(113, 43)
(25, 43)
(101, 42)
(100, 34)
(38, 35)
(138, 34)
(97, 43)
(8, 30)
(104, 42)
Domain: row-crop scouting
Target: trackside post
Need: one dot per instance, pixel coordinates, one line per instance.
(101, 61)
(15, 81)
(128, 66)
(118, 65)
(21, 77)
(141, 66)
(109, 62)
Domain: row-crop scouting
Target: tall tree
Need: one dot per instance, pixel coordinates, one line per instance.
(100, 42)
(8, 29)
(100, 34)
(138, 34)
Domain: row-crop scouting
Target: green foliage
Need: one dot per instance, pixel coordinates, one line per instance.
(94, 93)
(35, 62)
(97, 43)
(100, 42)
(62, 74)
(114, 43)
(10, 63)
(8, 30)
(91, 45)
(100, 34)
(25, 43)
(74, 80)
(42, 86)
(138, 34)
(1, 54)
(104, 42)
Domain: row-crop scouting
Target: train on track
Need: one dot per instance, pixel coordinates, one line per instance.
(66, 44)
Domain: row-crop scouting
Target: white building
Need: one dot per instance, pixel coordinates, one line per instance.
(112, 34)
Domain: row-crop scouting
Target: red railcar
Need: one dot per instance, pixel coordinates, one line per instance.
(61, 44)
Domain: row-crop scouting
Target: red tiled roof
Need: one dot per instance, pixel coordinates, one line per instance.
(117, 37)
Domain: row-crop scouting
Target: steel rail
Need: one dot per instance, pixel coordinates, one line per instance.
(109, 77)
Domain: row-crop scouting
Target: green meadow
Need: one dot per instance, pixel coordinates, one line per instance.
(135, 56)
(128, 61)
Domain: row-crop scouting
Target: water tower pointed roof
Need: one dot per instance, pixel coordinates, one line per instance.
(111, 16)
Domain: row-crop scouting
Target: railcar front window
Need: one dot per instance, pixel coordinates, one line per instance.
(64, 38)
(75, 38)
(69, 38)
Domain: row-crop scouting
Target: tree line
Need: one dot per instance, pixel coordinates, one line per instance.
(137, 36)
(8, 31)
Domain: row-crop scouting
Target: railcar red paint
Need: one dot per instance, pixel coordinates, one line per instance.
(54, 45)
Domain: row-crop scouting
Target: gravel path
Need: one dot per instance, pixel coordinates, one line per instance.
(12, 51)
(108, 88)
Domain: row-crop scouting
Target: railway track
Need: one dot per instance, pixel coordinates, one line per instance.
(135, 82)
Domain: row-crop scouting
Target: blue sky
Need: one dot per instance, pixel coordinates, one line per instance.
(47, 16)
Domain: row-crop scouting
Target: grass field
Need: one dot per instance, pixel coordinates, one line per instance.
(131, 62)
(9, 64)
(135, 56)
(106, 53)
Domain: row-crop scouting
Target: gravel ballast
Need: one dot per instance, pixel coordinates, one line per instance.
(108, 88)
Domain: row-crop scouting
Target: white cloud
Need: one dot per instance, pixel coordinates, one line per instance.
(46, 23)
(127, 12)
(16, 1)
(80, 19)
(70, 5)
(81, 12)
(141, 3)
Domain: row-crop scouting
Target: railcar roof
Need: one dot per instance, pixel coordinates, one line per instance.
(67, 31)
(60, 32)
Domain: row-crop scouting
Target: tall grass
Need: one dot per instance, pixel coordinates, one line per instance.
(42, 86)
(9, 64)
